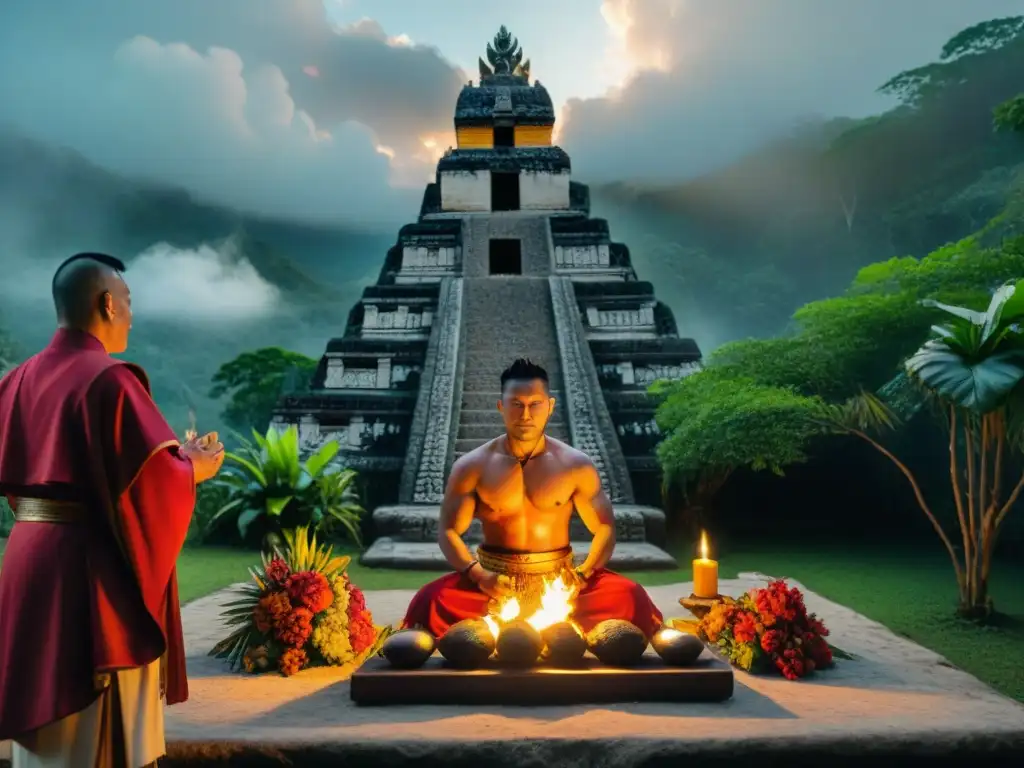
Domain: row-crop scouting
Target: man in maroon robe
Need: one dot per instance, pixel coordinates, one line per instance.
(103, 494)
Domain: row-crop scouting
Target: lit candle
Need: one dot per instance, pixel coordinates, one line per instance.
(705, 571)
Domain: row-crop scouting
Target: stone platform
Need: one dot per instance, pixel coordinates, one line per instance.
(407, 538)
(377, 683)
(895, 701)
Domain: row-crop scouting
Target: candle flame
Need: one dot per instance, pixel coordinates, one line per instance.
(191, 433)
(704, 549)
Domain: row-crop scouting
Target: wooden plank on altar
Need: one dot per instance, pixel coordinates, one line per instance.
(376, 683)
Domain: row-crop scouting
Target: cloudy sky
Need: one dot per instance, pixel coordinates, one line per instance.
(336, 110)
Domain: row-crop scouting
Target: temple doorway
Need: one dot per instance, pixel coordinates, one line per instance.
(504, 191)
(504, 136)
(506, 257)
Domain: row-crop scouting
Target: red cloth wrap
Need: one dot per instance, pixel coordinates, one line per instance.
(80, 599)
(606, 595)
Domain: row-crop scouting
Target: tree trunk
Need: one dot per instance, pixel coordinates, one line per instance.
(984, 444)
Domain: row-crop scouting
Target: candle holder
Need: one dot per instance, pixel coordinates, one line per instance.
(700, 606)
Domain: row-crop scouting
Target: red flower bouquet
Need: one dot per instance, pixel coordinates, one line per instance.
(301, 610)
(768, 628)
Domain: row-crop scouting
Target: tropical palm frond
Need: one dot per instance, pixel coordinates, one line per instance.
(865, 412)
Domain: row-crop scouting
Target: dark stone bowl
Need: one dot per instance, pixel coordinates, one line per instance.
(519, 644)
(676, 648)
(617, 643)
(563, 645)
(468, 644)
(408, 648)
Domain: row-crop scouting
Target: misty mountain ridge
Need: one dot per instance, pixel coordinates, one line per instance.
(208, 282)
(796, 219)
(66, 203)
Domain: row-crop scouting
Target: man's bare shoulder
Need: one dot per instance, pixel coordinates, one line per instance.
(571, 457)
(474, 460)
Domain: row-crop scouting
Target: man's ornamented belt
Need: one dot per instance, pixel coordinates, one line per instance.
(527, 572)
(525, 563)
(29, 510)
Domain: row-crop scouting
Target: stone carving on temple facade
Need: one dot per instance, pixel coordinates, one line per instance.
(640, 318)
(430, 475)
(422, 257)
(628, 374)
(400, 319)
(582, 256)
(361, 434)
(385, 375)
(646, 375)
(582, 401)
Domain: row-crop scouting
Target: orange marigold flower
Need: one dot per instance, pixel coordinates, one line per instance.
(269, 611)
(295, 628)
(311, 590)
(362, 633)
(744, 629)
(276, 604)
(292, 660)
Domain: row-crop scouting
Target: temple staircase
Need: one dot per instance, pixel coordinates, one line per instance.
(504, 318)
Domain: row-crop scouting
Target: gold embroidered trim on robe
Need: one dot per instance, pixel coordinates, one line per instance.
(30, 510)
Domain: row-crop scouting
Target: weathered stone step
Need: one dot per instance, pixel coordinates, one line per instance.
(491, 418)
(488, 401)
(474, 381)
(488, 416)
(418, 523)
(489, 359)
(465, 445)
(470, 431)
(422, 556)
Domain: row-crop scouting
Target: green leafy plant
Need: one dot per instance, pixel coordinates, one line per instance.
(971, 369)
(271, 487)
(254, 381)
(715, 424)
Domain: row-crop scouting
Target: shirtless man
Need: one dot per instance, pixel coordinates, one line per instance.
(523, 487)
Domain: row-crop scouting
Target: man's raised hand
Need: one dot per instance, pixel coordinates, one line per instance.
(206, 454)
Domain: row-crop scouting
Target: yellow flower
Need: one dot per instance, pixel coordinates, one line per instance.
(331, 634)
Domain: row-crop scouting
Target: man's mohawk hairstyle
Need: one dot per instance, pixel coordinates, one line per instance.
(523, 369)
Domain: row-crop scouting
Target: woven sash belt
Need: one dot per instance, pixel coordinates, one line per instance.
(49, 511)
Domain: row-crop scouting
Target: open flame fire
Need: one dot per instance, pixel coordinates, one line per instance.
(557, 603)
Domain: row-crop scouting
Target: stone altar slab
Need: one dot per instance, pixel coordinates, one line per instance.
(377, 683)
(426, 556)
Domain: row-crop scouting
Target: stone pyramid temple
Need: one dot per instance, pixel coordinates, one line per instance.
(503, 262)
